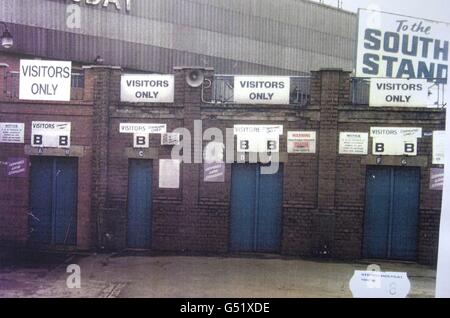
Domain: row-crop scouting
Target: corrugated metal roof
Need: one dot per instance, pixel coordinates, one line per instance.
(285, 36)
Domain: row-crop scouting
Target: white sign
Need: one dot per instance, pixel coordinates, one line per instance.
(169, 173)
(397, 46)
(438, 147)
(12, 133)
(170, 139)
(148, 88)
(261, 89)
(372, 284)
(404, 132)
(353, 143)
(142, 128)
(258, 143)
(50, 134)
(402, 92)
(45, 80)
(258, 129)
(258, 138)
(141, 141)
(301, 142)
(443, 266)
(391, 141)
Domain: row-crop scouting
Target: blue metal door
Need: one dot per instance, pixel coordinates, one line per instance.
(391, 216)
(139, 203)
(268, 217)
(41, 211)
(256, 205)
(243, 206)
(65, 201)
(405, 214)
(53, 200)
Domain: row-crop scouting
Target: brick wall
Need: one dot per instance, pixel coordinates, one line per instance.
(323, 193)
(14, 192)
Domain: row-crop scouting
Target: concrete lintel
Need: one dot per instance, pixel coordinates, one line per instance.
(142, 153)
(405, 161)
(73, 151)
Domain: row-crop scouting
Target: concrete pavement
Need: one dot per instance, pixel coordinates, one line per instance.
(109, 275)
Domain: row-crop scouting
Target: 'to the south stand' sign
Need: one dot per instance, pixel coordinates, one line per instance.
(147, 88)
(262, 89)
(45, 80)
(397, 46)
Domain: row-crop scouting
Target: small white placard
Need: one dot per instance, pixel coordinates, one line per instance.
(169, 173)
(12, 133)
(301, 142)
(171, 139)
(353, 143)
(439, 147)
(371, 284)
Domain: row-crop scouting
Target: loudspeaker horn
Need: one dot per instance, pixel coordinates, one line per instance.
(195, 78)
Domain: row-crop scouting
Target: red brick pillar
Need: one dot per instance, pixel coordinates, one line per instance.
(103, 88)
(330, 88)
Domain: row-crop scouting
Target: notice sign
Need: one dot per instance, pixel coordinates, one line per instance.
(439, 147)
(400, 93)
(436, 179)
(372, 284)
(149, 88)
(261, 90)
(50, 134)
(214, 172)
(45, 80)
(12, 133)
(397, 46)
(391, 141)
(301, 142)
(16, 167)
(353, 143)
(142, 128)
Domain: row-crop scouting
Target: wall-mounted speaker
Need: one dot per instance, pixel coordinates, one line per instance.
(195, 78)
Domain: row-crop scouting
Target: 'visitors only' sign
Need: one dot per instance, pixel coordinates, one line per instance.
(400, 92)
(45, 80)
(147, 88)
(261, 90)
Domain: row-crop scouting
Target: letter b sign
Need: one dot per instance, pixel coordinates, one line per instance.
(141, 141)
